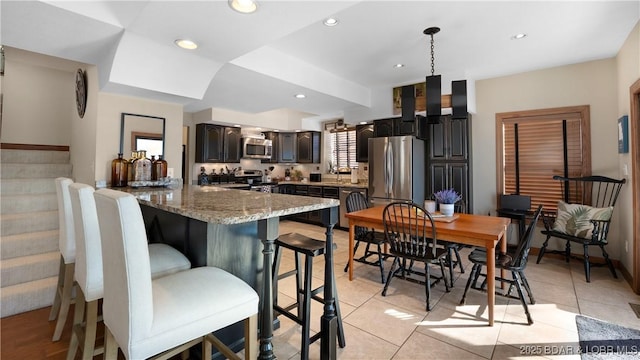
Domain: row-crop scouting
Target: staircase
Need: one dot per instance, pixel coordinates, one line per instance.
(29, 234)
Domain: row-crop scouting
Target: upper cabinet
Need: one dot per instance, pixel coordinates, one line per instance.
(288, 147)
(215, 143)
(363, 134)
(449, 139)
(209, 140)
(308, 144)
(397, 127)
(383, 128)
(275, 147)
(302, 147)
(232, 144)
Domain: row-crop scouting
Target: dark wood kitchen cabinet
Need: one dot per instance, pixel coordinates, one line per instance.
(397, 127)
(215, 144)
(383, 128)
(232, 144)
(308, 147)
(363, 134)
(275, 146)
(288, 144)
(450, 175)
(209, 140)
(449, 157)
(449, 139)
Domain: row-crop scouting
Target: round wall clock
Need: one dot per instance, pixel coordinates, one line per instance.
(81, 92)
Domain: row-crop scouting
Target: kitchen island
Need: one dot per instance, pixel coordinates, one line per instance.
(228, 228)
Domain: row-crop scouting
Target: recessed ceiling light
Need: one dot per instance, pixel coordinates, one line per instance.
(300, 96)
(397, 66)
(186, 44)
(244, 6)
(363, 122)
(330, 21)
(518, 36)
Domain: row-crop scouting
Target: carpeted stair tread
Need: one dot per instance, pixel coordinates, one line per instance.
(29, 268)
(42, 185)
(31, 243)
(9, 156)
(28, 203)
(27, 296)
(13, 224)
(30, 171)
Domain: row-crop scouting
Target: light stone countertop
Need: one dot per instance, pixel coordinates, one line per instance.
(227, 206)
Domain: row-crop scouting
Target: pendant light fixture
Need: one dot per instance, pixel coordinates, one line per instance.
(433, 89)
(433, 83)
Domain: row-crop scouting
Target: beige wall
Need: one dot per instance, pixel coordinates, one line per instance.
(39, 108)
(108, 142)
(628, 65)
(592, 83)
(38, 101)
(82, 145)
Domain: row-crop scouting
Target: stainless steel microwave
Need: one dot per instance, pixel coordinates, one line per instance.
(256, 147)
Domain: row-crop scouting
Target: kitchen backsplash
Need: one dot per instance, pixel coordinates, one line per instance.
(278, 169)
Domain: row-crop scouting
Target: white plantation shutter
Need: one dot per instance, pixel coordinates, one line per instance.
(343, 148)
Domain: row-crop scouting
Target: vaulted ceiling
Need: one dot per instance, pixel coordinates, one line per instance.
(258, 62)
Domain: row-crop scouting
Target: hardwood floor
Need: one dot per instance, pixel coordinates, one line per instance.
(28, 336)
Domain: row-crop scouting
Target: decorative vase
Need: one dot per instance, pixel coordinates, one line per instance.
(446, 209)
(119, 168)
(159, 169)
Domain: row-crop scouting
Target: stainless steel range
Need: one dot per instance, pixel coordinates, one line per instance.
(254, 179)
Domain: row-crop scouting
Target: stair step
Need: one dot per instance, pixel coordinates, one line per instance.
(34, 156)
(28, 186)
(28, 244)
(29, 268)
(15, 204)
(28, 296)
(13, 224)
(31, 171)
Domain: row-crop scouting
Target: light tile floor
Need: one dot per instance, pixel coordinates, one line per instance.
(397, 326)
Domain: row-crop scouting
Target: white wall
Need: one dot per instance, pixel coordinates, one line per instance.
(628, 66)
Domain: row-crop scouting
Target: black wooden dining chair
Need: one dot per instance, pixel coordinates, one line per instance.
(583, 217)
(411, 234)
(514, 262)
(357, 201)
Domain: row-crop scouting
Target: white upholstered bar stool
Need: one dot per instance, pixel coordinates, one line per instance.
(163, 258)
(164, 316)
(67, 246)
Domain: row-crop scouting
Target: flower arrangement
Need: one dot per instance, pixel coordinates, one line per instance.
(448, 196)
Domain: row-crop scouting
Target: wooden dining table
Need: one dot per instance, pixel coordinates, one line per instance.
(468, 229)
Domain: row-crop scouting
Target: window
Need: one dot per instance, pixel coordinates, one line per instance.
(535, 145)
(343, 148)
(151, 143)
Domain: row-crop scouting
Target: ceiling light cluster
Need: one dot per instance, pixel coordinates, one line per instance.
(244, 6)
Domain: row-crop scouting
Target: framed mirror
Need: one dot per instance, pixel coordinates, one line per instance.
(142, 132)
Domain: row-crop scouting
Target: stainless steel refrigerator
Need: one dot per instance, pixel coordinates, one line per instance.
(396, 169)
